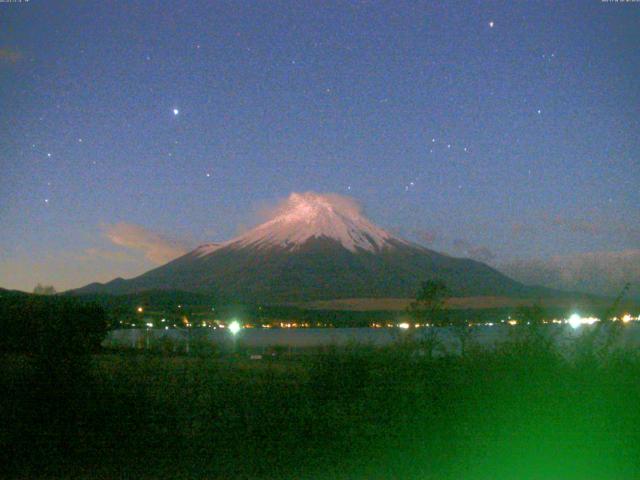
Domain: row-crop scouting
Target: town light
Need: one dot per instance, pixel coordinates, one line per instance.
(234, 327)
(140, 309)
(575, 321)
(403, 325)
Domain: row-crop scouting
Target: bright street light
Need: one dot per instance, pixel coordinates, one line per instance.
(234, 327)
(575, 321)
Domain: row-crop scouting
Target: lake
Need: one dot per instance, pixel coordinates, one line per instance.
(260, 339)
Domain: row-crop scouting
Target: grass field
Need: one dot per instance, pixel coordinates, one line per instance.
(522, 411)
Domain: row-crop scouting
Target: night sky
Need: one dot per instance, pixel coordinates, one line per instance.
(132, 131)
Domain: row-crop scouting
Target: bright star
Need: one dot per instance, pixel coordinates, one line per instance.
(491, 24)
(176, 111)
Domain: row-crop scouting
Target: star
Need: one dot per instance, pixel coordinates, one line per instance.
(46, 200)
(49, 155)
(176, 111)
(208, 175)
(539, 112)
(491, 24)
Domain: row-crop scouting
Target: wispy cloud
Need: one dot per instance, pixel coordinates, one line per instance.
(113, 256)
(594, 226)
(575, 225)
(427, 237)
(595, 272)
(9, 55)
(477, 252)
(156, 247)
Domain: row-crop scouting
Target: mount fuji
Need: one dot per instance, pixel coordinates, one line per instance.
(315, 247)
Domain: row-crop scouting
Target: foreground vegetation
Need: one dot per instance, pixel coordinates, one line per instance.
(522, 411)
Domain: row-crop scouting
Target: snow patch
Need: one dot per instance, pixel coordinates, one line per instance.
(310, 215)
(206, 249)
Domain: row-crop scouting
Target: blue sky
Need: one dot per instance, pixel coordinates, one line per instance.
(502, 130)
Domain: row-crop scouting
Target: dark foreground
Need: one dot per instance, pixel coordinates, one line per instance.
(523, 412)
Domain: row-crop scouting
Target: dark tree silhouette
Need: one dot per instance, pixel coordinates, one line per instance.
(51, 328)
(40, 289)
(429, 308)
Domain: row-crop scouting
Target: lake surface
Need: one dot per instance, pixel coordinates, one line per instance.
(260, 339)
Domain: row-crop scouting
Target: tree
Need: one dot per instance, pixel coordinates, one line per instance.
(51, 328)
(44, 289)
(600, 341)
(530, 318)
(529, 332)
(429, 308)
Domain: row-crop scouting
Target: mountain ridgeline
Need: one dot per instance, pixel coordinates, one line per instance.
(315, 247)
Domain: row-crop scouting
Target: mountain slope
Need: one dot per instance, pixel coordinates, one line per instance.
(315, 247)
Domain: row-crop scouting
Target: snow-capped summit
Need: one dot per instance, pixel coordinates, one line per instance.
(310, 215)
